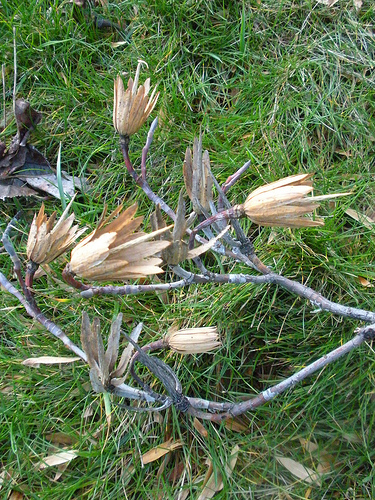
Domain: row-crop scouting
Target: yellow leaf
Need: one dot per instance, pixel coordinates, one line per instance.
(214, 480)
(364, 282)
(200, 428)
(161, 450)
(236, 425)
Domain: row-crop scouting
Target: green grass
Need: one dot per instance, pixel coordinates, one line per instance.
(289, 85)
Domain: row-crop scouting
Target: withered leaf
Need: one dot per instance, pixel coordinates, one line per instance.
(27, 119)
(58, 458)
(11, 188)
(161, 450)
(48, 360)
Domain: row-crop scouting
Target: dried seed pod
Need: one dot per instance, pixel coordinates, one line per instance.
(114, 252)
(193, 340)
(284, 203)
(197, 177)
(47, 240)
(102, 362)
(132, 106)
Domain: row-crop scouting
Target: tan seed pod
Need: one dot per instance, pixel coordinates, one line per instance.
(197, 177)
(115, 252)
(284, 203)
(47, 240)
(132, 106)
(193, 340)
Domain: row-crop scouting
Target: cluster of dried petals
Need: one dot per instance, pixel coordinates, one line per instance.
(102, 363)
(114, 252)
(284, 203)
(193, 340)
(132, 106)
(178, 249)
(48, 240)
(197, 177)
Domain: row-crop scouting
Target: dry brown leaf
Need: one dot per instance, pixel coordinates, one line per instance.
(364, 219)
(364, 282)
(298, 470)
(161, 450)
(12, 188)
(61, 439)
(200, 427)
(236, 425)
(61, 469)
(15, 495)
(308, 445)
(182, 495)
(214, 481)
(5, 476)
(58, 458)
(48, 360)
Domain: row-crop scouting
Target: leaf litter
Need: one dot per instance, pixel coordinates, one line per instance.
(25, 171)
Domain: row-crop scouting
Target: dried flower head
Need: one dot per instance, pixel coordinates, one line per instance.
(47, 241)
(193, 340)
(103, 374)
(132, 106)
(114, 252)
(178, 249)
(284, 203)
(197, 177)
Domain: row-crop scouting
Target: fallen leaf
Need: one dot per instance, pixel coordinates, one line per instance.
(236, 425)
(58, 458)
(298, 470)
(15, 495)
(48, 184)
(61, 439)
(200, 427)
(214, 481)
(328, 3)
(364, 219)
(61, 469)
(118, 44)
(364, 282)
(357, 4)
(14, 188)
(5, 476)
(48, 360)
(308, 445)
(161, 450)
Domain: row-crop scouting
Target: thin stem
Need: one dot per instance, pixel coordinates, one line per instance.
(68, 277)
(8, 245)
(131, 289)
(33, 311)
(304, 291)
(232, 179)
(128, 392)
(247, 246)
(31, 269)
(147, 146)
(142, 183)
(366, 333)
(225, 215)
